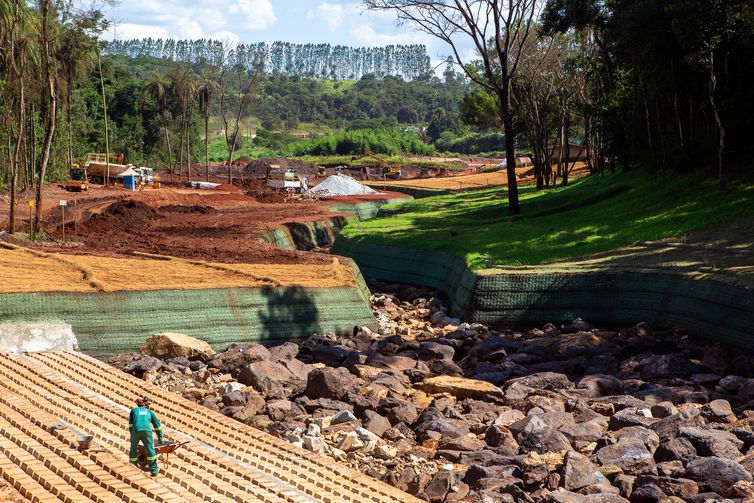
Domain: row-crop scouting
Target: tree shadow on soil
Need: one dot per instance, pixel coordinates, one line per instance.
(291, 313)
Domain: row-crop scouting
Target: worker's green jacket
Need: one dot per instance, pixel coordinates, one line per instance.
(142, 419)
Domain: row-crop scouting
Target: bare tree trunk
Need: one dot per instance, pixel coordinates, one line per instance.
(718, 122)
(104, 112)
(180, 153)
(170, 152)
(15, 160)
(70, 123)
(510, 150)
(188, 152)
(206, 144)
(52, 113)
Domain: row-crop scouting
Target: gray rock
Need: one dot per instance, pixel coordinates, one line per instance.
(142, 365)
(673, 449)
(343, 416)
(234, 398)
(631, 416)
(501, 439)
(281, 410)
(375, 422)
(671, 486)
(629, 455)
(709, 442)
(544, 381)
(647, 493)
(598, 385)
(663, 409)
(578, 472)
(582, 434)
(716, 474)
(463, 443)
(431, 350)
(719, 411)
(330, 383)
(668, 427)
(236, 357)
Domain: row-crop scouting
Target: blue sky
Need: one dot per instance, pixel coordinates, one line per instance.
(333, 21)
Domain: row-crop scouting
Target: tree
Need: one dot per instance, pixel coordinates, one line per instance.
(48, 40)
(498, 29)
(157, 89)
(248, 83)
(206, 90)
(17, 52)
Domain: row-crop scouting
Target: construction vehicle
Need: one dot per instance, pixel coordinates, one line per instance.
(289, 181)
(321, 172)
(96, 168)
(79, 181)
(386, 170)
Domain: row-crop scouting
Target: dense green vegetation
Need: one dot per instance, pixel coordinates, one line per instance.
(383, 141)
(590, 215)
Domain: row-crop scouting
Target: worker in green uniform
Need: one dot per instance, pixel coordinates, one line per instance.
(140, 423)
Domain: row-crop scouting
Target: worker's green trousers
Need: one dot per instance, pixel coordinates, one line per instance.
(146, 438)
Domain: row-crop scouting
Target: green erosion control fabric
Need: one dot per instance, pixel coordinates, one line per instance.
(315, 234)
(707, 307)
(109, 323)
(307, 235)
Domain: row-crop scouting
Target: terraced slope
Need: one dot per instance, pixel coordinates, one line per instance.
(48, 399)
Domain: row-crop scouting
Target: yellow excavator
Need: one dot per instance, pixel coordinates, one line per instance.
(387, 170)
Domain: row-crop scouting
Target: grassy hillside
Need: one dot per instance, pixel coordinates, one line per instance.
(594, 214)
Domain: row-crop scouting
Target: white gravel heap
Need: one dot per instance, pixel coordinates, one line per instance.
(339, 185)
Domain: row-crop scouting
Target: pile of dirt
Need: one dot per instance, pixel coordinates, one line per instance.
(124, 214)
(180, 208)
(259, 190)
(340, 185)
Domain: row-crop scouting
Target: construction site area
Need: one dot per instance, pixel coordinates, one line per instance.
(288, 361)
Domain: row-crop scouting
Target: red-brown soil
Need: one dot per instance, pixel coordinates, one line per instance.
(210, 225)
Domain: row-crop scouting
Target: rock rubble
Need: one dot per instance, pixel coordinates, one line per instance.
(452, 411)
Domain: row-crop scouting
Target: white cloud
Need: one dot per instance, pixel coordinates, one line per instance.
(366, 35)
(124, 31)
(331, 14)
(259, 14)
(226, 37)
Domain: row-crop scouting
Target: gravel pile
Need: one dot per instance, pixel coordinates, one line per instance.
(340, 185)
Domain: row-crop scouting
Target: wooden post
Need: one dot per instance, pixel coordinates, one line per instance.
(63, 204)
(31, 218)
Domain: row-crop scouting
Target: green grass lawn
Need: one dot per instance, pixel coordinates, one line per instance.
(593, 214)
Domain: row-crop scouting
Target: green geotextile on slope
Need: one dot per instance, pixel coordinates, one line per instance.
(307, 235)
(719, 310)
(315, 234)
(366, 210)
(109, 323)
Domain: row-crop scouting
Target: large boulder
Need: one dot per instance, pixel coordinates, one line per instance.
(264, 376)
(235, 358)
(578, 472)
(171, 345)
(461, 387)
(710, 442)
(630, 455)
(330, 383)
(716, 474)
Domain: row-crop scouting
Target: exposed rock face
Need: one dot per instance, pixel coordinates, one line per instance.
(457, 412)
(173, 345)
